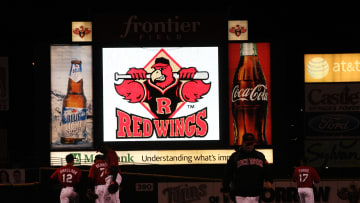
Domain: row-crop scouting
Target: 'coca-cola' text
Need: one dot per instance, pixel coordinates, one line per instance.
(257, 93)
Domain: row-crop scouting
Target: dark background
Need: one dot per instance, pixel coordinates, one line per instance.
(26, 34)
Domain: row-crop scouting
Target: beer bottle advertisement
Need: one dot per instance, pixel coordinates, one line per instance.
(71, 97)
(249, 92)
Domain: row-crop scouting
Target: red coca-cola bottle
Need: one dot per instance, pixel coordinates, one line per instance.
(249, 97)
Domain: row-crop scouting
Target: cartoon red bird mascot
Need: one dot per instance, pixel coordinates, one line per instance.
(82, 31)
(162, 93)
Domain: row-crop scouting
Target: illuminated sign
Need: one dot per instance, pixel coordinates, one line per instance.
(71, 97)
(152, 28)
(160, 94)
(237, 30)
(332, 68)
(156, 157)
(249, 92)
(81, 31)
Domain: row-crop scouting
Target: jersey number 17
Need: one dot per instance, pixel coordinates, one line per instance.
(303, 177)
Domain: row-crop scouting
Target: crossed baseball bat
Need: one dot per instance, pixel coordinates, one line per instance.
(201, 75)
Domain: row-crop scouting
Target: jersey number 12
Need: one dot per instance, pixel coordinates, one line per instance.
(67, 178)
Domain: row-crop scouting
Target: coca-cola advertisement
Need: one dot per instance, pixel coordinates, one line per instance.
(249, 92)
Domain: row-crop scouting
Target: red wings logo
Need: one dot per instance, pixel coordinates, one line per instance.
(162, 87)
(82, 31)
(237, 30)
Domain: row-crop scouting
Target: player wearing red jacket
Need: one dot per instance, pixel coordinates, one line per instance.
(69, 177)
(113, 179)
(97, 175)
(305, 177)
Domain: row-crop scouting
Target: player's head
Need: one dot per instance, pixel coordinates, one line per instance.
(69, 158)
(302, 161)
(103, 148)
(248, 142)
(99, 157)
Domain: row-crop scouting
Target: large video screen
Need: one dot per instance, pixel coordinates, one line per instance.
(160, 94)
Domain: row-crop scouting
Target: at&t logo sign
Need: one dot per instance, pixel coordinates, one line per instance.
(332, 67)
(317, 68)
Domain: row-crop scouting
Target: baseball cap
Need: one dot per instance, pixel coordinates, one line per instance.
(99, 157)
(248, 138)
(162, 60)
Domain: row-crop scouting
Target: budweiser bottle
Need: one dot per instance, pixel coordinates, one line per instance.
(249, 97)
(73, 116)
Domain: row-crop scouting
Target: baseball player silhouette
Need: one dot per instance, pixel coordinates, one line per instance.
(305, 176)
(69, 178)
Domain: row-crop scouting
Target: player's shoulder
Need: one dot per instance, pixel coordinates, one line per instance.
(237, 153)
(304, 168)
(234, 156)
(259, 154)
(308, 167)
(312, 168)
(75, 168)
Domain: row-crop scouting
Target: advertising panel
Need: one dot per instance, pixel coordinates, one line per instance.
(327, 191)
(71, 97)
(332, 68)
(249, 92)
(238, 30)
(332, 124)
(195, 192)
(81, 31)
(159, 28)
(160, 94)
(331, 191)
(335, 97)
(340, 153)
(282, 191)
(156, 157)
